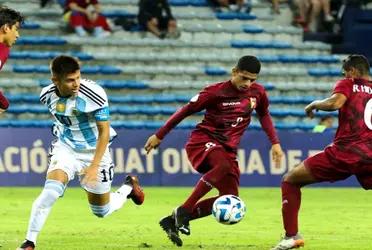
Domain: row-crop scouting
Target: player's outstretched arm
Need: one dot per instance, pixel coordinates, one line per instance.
(152, 143)
(335, 102)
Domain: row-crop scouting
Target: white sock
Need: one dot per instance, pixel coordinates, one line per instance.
(42, 206)
(117, 200)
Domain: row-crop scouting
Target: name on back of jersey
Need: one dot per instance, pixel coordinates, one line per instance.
(362, 88)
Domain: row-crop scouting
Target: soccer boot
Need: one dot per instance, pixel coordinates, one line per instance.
(169, 227)
(182, 220)
(27, 245)
(290, 243)
(137, 195)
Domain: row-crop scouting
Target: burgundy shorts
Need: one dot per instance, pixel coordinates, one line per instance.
(197, 149)
(334, 165)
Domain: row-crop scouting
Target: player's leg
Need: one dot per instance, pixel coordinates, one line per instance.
(229, 185)
(104, 204)
(314, 169)
(58, 175)
(219, 165)
(53, 189)
(291, 202)
(101, 200)
(168, 223)
(215, 167)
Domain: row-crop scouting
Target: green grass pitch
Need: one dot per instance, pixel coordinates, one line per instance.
(330, 219)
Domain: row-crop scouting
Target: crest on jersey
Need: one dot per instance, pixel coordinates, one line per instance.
(60, 107)
(75, 111)
(253, 102)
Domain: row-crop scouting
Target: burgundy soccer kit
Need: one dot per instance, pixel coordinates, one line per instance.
(4, 54)
(349, 154)
(213, 144)
(351, 151)
(228, 113)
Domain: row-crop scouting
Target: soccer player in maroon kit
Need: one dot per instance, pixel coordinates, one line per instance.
(212, 146)
(349, 154)
(10, 21)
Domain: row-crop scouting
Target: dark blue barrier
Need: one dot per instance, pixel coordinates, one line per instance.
(23, 157)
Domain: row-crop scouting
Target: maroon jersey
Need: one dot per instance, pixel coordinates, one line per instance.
(354, 131)
(4, 54)
(228, 113)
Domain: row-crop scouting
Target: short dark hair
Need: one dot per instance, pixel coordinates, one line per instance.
(63, 65)
(250, 64)
(358, 62)
(10, 16)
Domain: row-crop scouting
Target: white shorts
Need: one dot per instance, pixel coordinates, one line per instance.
(71, 162)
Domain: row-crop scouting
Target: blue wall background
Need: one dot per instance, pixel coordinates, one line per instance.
(24, 151)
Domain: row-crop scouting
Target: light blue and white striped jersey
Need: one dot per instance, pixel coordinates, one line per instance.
(76, 116)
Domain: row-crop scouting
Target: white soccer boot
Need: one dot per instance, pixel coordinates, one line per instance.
(290, 243)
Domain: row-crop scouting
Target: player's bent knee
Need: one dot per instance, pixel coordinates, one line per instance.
(100, 211)
(52, 191)
(285, 178)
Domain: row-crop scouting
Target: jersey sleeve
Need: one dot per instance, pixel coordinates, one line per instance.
(202, 100)
(197, 103)
(343, 87)
(265, 118)
(94, 95)
(102, 114)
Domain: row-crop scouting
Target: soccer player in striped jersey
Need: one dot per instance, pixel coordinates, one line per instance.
(81, 112)
(10, 21)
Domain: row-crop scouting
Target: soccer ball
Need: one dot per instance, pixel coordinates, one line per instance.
(228, 209)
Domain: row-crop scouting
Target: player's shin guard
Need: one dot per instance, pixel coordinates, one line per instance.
(42, 206)
(291, 201)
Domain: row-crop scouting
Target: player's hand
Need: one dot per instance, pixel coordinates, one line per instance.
(152, 143)
(2, 110)
(277, 154)
(309, 109)
(89, 175)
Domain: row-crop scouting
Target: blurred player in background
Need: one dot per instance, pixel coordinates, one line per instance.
(350, 153)
(212, 146)
(82, 128)
(324, 125)
(10, 22)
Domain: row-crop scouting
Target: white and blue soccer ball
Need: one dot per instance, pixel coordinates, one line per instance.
(228, 209)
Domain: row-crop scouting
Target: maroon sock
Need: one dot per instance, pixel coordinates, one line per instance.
(201, 188)
(220, 166)
(291, 201)
(203, 208)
